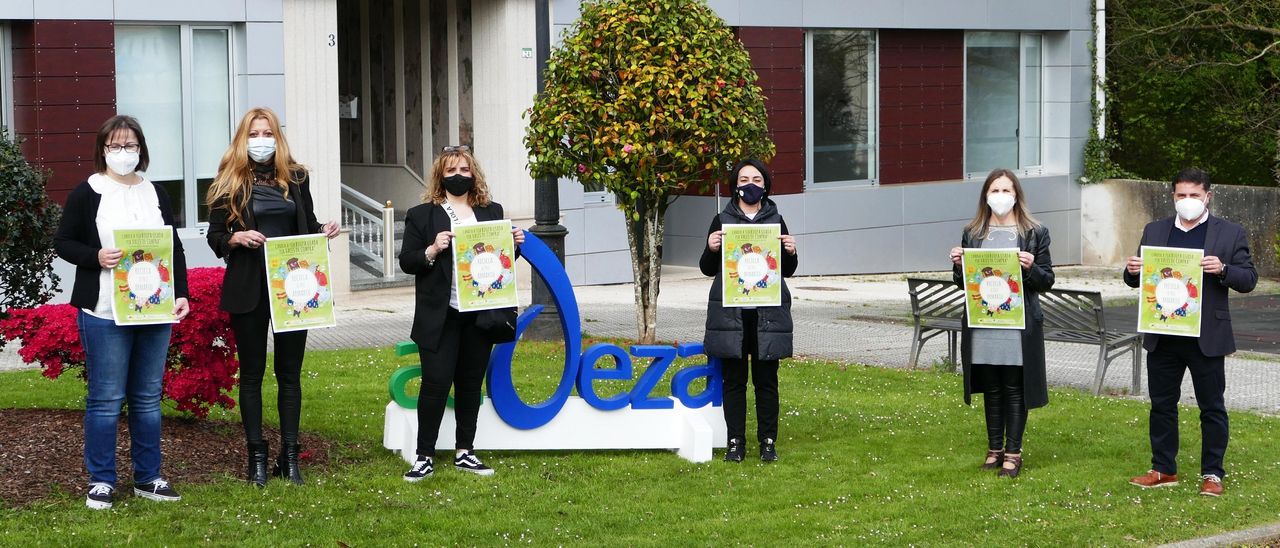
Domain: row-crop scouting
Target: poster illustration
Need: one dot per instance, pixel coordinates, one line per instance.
(993, 288)
(298, 283)
(1171, 280)
(484, 266)
(143, 282)
(751, 256)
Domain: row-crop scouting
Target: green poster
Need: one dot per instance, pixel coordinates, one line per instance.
(484, 266)
(143, 282)
(750, 258)
(993, 288)
(298, 282)
(1171, 282)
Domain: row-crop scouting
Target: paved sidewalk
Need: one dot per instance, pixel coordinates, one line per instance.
(862, 319)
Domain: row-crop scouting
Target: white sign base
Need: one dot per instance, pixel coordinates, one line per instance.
(692, 433)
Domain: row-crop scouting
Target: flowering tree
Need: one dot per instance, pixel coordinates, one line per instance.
(201, 368)
(647, 99)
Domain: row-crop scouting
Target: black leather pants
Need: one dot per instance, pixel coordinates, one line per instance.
(1003, 404)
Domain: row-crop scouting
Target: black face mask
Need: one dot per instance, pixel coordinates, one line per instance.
(459, 185)
(751, 194)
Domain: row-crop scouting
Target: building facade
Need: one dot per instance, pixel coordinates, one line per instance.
(887, 114)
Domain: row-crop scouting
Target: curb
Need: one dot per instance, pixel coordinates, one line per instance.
(1233, 538)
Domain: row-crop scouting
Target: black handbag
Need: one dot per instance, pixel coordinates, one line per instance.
(497, 324)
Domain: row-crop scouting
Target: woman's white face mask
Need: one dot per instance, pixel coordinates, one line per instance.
(122, 163)
(262, 149)
(1001, 204)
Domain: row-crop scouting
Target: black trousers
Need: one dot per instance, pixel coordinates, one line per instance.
(1003, 404)
(251, 345)
(461, 361)
(764, 377)
(1165, 367)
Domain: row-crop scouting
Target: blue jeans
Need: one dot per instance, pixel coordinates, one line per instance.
(122, 362)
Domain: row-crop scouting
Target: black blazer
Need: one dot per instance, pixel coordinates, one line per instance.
(77, 242)
(431, 282)
(1039, 277)
(1228, 242)
(245, 281)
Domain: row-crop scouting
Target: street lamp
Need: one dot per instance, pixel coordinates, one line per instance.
(546, 199)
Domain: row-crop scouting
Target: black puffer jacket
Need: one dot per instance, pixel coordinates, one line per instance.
(723, 338)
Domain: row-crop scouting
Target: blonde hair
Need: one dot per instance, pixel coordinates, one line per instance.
(435, 194)
(233, 184)
(981, 223)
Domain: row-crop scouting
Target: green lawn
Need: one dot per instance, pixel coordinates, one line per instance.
(868, 456)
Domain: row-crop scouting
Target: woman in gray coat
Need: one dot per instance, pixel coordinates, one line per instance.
(764, 333)
(1007, 366)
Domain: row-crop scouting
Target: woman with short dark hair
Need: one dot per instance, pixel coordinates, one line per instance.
(758, 336)
(1005, 365)
(123, 362)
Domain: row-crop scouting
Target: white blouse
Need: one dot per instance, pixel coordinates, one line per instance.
(123, 206)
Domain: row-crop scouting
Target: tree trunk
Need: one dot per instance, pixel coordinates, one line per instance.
(645, 239)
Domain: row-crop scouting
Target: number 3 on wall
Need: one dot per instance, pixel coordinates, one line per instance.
(333, 40)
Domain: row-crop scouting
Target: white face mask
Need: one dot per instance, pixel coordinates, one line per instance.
(1001, 204)
(261, 149)
(122, 163)
(1189, 209)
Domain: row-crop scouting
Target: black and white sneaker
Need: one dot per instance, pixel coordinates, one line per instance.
(156, 490)
(768, 453)
(736, 450)
(422, 468)
(468, 462)
(99, 497)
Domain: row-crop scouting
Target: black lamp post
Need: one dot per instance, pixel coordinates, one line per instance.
(546, 199)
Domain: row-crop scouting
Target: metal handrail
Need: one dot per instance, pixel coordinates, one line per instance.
(372, 226)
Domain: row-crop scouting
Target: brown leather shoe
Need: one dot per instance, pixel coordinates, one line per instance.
(1011, 473)
(997, 455)
(1154, 479)
(1212, 486)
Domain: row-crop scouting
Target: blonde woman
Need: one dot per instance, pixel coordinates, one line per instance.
(261, 192)
(454, 352)
(1007, 366)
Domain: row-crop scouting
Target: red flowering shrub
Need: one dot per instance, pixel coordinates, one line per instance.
(202, 365)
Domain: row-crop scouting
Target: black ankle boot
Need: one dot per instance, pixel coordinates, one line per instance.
(287, 464)
(258, 463)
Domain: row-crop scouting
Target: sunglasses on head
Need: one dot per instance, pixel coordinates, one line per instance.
(456, 148)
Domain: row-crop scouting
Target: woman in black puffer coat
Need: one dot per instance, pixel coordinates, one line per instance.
(763, 333)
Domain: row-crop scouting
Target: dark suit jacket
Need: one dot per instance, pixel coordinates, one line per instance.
(431, 282)
(77, 242)
(1039, 277)
(1229, 243)
(246, 278)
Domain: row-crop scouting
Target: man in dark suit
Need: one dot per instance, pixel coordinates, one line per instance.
(1226, 265)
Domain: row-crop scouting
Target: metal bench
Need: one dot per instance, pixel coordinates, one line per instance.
(937, 307)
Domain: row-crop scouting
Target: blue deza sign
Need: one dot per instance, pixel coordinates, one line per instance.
(579, 366)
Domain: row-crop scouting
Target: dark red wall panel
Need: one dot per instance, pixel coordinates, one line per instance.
(921, 105)
(63, 89)
(777, 54)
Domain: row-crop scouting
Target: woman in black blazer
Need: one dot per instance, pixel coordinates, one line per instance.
(452, 350)
(122, 362)
(1007, 366)
(261, 192)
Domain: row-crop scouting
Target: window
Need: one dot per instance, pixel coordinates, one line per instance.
(1002, 101)
(6, 80)
(157, 67)
(841, 110)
